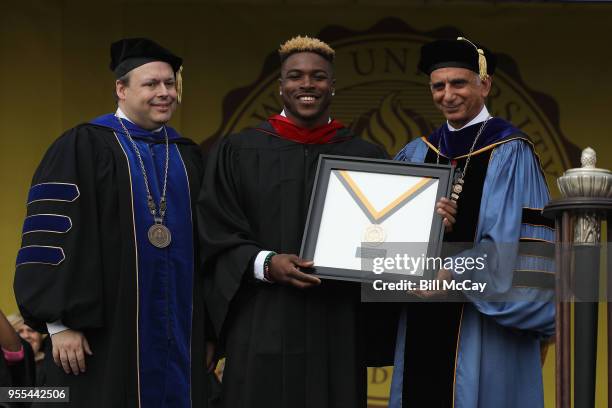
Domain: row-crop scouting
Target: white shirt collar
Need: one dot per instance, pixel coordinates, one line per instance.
(283, 114)
(122, 115)
(481, 117)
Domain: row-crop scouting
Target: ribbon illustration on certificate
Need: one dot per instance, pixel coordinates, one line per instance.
(375, 234)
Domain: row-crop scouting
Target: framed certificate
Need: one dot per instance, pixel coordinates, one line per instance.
(368, 212)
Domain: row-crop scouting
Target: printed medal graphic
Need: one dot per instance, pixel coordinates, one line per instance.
(383, 98)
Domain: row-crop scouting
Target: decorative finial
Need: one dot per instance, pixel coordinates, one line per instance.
(588, 158)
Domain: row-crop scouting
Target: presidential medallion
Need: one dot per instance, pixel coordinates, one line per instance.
(159, 236)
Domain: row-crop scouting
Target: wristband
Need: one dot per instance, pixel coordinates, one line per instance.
(13, 357)
(266, 266)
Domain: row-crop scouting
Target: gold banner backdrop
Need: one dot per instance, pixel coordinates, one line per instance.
(552, 81)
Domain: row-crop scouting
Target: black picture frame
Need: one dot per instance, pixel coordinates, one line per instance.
(326, 165)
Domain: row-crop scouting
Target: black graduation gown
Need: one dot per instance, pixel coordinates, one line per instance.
(285, 347)
(94, 288)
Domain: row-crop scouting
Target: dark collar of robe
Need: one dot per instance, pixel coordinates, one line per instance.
(456, 144)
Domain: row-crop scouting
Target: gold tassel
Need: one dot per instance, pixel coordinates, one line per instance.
(179, 84)
(482, 60)
(482, 64)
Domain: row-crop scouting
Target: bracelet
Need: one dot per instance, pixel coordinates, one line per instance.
(13, 357)
(266, 266)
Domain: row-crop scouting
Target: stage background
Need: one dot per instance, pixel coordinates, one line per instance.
(554, 80)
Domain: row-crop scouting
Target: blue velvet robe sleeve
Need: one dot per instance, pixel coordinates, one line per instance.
(67, 261)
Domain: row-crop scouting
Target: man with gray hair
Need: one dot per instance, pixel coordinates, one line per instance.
(479, 354)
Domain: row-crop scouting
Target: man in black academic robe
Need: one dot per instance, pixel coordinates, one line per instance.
(121, 299)
(290, 339)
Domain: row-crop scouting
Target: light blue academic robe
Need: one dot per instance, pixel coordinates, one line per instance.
(498, 361)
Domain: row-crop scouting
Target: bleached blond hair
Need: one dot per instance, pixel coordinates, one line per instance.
(306, 44)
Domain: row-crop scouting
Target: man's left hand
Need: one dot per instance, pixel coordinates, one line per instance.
(447, 209)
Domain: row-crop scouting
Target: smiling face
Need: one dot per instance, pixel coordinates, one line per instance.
(306, 86)
(31, 336)
(459, 93)
(149, 97)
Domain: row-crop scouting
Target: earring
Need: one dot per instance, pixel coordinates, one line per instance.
(280, 92)
(333, 93)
